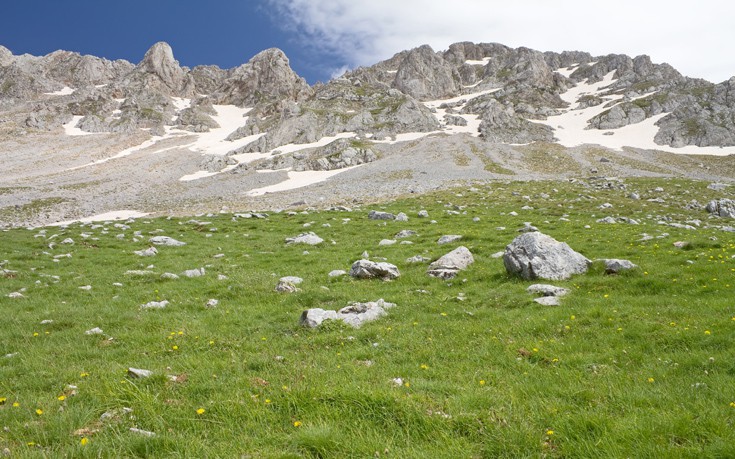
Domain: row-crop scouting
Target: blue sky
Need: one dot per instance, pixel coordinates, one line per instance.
(324, 37)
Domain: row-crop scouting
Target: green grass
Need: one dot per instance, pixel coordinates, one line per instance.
(492, 375)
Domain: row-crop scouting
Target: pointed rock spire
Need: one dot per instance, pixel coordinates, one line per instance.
(267, 75)
(159, 61)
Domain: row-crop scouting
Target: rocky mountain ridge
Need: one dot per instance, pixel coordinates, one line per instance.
(157, 128)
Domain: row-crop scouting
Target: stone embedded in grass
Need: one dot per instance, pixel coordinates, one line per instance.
(547, 290)
(423, 214)
(286, 286)
(337, 273)
(15, 295)
(142, 432)
(169, 276)
(197, 272)
(378, 215)
(155, 305)
(149, 252)
(139, 272)
(447, 266)
(547, 300)
(355, 314)
(614, 265)
(417, 259)
(401, 217)
(94, 331)
(722, 208)
(366, 269)
(309, 238)
(385, 242)
(166, 241)
(538, 256)
(139, 373)
(404, 234)
(68, 241)
(211, 303)
(449, 238)
(221, 277)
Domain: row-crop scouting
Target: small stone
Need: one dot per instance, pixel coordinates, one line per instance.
(47, 322)
(155, 305)
(94, 331)
(169, 276)
(337, 273)
(212, 303)
(222, 277)
(401, 217)
(199, 272)
(404, 234)
(142, 432)
(139, 373)
(417, 259)
(547, 290)
(449, 238)
(166, 241)
(366, 269)
(85, 287)
(423, 214)
(547, 300)
(614, 266)
(398, 382)
(378, 215)
(385, 242)
(68, 241)
(309, 238)
(149, 252)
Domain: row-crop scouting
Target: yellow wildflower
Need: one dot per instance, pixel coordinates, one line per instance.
(84, 441)
(297, 423)
(200, 411)
(39, 411)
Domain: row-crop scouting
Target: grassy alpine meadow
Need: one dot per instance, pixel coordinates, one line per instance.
(638, 364)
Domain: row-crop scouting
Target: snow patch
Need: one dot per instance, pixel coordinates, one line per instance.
(65, 91)
(107, 216)
(71, 128)
(484, 61)
(297, 180)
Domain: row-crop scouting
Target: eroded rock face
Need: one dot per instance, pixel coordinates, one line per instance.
(160, 71)
(722, 208)
(267, 76)
(538, 256)
(425, 75)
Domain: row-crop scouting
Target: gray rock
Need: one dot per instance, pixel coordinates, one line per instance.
(196, 272)
(166, 241)
(141, 432)
(723, 208)
(379, 215)
(286, 287)
(94, 331)
(138, 373)
(155, 305)
(449, 238)
(366, 269)
(211, 303)
(718, 186)
(538, 256)
(450, 264)
(547, 300)
(149, 252)
(355, 314)
(417, 259)
(385, 242)
(404, 234)
(423, 214)
(614, 265)
(547, 290)
(292, 280)
(309, 238)
(337, 273)
(401, 217)
(169, 276)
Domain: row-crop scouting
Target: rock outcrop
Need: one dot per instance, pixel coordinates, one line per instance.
(537, 256)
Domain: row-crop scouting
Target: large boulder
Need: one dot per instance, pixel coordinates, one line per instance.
(450, 264)
(538, 256)
(366, 269)
(722, 208)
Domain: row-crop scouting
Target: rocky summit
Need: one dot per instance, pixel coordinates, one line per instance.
(82, 136)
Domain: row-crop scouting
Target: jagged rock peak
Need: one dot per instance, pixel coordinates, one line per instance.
(425, 75)
(268, 75)
(159, 60)
(6, 56)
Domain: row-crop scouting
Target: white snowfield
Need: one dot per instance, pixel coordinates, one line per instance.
(570, 127)
(296, 180)
(106, 217)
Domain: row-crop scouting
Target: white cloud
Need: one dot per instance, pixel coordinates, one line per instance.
(694, 37)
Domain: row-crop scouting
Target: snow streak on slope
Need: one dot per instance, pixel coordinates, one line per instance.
(296, 180)
(570, 127)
